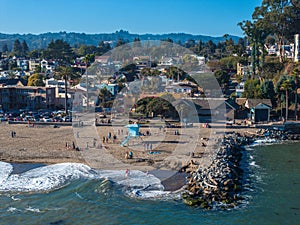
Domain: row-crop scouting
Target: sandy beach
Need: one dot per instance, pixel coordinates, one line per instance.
(47, 144)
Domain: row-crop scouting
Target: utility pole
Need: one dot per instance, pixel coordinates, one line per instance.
(66, 94)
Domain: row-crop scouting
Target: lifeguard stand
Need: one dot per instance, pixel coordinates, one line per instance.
(133, 132)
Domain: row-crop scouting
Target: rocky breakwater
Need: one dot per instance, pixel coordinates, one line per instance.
(279, 135)
(219, 184)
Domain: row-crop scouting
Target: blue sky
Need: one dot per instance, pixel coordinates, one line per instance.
(207, 17)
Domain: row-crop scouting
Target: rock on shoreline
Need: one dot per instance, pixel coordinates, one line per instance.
(220, 184)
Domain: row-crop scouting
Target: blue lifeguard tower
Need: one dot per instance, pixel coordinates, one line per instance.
(133, 131)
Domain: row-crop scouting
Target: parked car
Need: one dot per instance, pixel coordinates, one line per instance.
(57, 119)
(46, 119)
(67, 119)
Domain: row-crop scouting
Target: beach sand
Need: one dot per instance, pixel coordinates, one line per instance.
(46, 144)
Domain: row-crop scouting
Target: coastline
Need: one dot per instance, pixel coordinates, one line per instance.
(220, 184)
(46, 145)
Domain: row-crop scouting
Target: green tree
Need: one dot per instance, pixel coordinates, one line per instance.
(59, 50)
(25, 48)
(252, 89)
(87, 49)
(296, 74)
(34, 54)
(149, 72)
(67, 73)
(104, 95)
(286, 87)
(4, 48)
(271, 69)
(120, 42)
(17, 49)
(175, 73)
(280, 17)
(36, 79)
(230, 62)
(103, 47)
(267, 90)
(222, 77)
(257, 34)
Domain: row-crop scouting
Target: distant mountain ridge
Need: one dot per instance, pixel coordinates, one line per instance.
(39, 41)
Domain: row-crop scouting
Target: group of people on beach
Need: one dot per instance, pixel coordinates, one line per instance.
(148, 146)
(68, 146)
(109, 137)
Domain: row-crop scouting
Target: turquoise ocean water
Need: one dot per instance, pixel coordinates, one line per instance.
(75, 194)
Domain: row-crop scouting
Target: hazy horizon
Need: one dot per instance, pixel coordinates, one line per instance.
(209, 18)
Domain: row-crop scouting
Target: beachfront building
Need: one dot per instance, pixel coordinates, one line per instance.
(217, 108)
(26, 97)
(259, 109)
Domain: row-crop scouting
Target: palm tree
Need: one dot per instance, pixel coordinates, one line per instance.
(286, 86)
(295, 74)
(87, 59)
(65, 72)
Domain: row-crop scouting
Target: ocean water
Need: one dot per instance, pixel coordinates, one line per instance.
(76, 194)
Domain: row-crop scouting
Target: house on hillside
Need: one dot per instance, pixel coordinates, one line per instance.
(104, 60)
(176, 88)
(259, 109)
(239, 89)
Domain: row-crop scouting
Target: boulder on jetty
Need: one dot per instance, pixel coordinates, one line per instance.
(220, 183)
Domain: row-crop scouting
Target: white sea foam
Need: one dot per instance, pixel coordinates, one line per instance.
(29, 208)
(253, 163)
(12, 209)
(15, 198)
(138, 183)
(55, 176)
(5, 170)
(265, 141)
(43, 178)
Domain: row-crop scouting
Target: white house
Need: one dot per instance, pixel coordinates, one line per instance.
(56, 83)
(239, 89)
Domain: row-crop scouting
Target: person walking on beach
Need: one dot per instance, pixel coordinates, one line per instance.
(127, 173)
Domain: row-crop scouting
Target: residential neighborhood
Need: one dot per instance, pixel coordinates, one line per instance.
(32, 84)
